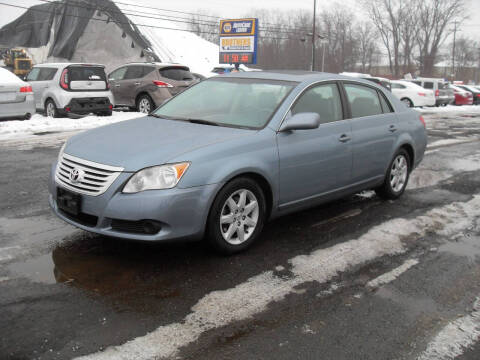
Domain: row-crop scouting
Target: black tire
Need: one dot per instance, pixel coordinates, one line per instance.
(214, 234)
(386, 190)
(27, 116)
(48, 103)
(407, 102)
(140, 106)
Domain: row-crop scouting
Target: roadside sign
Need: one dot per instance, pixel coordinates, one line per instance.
(238, 41)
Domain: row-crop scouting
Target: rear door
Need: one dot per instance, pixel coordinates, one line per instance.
(43, 82)
(179, 77)
(130, 83)
(87, 78)
(37, 87)
(10, 88)
(374, 130)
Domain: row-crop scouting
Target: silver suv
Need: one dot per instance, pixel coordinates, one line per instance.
(144, 86)
(63, 88)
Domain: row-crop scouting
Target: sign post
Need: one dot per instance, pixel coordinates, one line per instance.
(238, 41)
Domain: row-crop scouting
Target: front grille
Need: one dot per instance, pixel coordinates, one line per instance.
(93, 178)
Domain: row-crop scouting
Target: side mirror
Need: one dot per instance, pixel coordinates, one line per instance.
(301, 121)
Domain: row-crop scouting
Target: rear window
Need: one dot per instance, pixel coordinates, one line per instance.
(428, 85)
(86, 73)
(442, 86)
(179, 74)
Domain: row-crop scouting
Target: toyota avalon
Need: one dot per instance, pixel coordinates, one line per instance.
(229, 153)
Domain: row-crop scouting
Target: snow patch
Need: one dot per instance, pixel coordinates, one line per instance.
(454, 338)
(220, 308)
(392, 275)
(40, 124)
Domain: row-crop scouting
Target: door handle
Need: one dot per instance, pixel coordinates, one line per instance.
(117, 85)
(344, 138)
(392, 128)
(137, 83)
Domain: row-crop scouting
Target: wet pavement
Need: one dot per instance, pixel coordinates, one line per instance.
(66, 293)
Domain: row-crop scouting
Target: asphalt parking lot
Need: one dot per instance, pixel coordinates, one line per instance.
(359, 278)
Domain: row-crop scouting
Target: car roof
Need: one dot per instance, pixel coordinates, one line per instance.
(157, 64)
(292, 75)
(60, 65)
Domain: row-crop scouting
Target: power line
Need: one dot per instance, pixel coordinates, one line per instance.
(187, 13)
(130, 22)
(159, 16)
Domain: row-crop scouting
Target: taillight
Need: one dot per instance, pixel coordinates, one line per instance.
(478, 95)
(162, 84)
(64, 79)
(108, 85)
(423, 121)
(437, 93)
(422, 94)
(26, 89)
(110, 106)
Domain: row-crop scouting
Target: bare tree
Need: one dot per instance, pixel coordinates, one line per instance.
(367, 46)
(205, 25)
(435, 17)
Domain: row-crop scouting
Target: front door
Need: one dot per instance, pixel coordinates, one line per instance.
(316, 161)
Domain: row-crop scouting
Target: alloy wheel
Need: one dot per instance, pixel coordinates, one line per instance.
(50, 109)
(398, 173)
(239, 217)
(144, 105)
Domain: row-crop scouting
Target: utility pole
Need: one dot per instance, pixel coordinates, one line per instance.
(453, 52)
(313, 34)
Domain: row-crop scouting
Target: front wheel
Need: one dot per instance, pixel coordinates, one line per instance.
(237, 216)
(397, 176)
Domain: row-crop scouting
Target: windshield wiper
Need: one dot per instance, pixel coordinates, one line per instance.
(203, 122)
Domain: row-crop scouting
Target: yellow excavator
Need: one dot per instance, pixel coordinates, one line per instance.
(18, 61)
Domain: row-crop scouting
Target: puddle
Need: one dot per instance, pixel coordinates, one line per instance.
(468, 246)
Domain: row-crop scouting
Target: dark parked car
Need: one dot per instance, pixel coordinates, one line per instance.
(474, 91)
(144, 86)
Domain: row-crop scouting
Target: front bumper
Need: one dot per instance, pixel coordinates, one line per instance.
(182, 213)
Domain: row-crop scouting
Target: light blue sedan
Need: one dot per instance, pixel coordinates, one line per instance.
(226, 155)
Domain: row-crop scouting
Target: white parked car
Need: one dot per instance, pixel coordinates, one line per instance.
(16, 97)
(63, 88)
(412, 95)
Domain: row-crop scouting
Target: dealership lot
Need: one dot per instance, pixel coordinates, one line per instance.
(358, 278)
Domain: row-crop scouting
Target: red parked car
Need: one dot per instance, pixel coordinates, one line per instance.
(462, 97)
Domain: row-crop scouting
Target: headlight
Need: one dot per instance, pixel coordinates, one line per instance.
(61, 152)
(156, 178)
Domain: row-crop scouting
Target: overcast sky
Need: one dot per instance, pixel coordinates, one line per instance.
(233, 9)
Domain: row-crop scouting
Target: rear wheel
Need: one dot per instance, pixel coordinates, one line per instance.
(105, 113)
(237, 216)
(51, 109)
(407, 102)
(397, 176)
(145, 104)
(27, 116)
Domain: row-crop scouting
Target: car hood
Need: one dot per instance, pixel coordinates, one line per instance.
(148, 141)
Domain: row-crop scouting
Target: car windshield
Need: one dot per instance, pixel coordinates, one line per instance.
(236, 102)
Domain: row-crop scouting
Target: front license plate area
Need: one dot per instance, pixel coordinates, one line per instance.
(68, 201)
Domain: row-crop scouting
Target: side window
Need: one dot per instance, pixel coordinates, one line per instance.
(419, 83)
(33, 75)
(386, 106)
(428, 85)
(363, 100)
(46, 74)
(118, 74)
(398, 86)
(134, 72)
(323, 100)
(147, 70)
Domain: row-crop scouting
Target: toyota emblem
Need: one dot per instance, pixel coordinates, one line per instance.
(76, 175)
